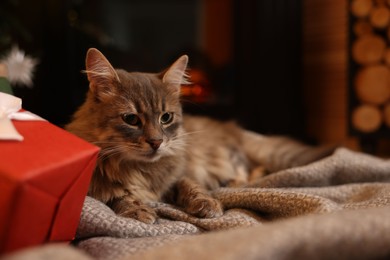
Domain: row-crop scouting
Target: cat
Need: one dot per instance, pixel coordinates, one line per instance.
(151, 151)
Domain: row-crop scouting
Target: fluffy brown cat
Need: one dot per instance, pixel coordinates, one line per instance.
(149, 148)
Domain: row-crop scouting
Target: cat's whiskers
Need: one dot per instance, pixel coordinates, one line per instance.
(189, 133)
(115, 148)
(175, 145)
(179, 142)
(107, 145)
(110, 152)
(100, 143)
(122, 150)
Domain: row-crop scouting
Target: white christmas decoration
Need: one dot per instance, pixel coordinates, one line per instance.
(20, 67)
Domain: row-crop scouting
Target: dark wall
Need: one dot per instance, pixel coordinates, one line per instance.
(264, 79)
(46, 25)
(268, 64)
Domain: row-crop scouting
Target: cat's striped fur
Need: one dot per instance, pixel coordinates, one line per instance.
(150, 149)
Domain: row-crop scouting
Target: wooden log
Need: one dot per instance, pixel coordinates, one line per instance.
(366, 118)
(368, 49)
(372, 84)
(386, 56)
(362, 27)
(361, 8)
(388, 33)
(380, 2)
(386, 114)
(380, 17)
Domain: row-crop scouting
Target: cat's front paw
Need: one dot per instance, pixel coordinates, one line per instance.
(135, 210)
(204, 207)
(142, 213)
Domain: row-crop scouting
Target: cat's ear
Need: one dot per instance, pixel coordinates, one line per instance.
(99, 71)
(176, 74)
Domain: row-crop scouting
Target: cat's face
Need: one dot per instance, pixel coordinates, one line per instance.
(139, 114)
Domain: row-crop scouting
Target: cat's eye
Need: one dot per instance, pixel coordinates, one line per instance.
(166, 118)
(131, 119)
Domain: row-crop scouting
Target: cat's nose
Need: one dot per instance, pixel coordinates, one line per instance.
(154, 143)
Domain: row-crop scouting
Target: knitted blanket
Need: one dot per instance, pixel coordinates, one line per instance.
(335, 208)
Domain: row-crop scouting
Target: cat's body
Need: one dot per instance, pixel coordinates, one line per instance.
(149, 148)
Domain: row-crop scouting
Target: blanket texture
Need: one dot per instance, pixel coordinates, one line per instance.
(335, 208)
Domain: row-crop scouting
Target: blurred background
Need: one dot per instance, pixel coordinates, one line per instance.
(275, 66)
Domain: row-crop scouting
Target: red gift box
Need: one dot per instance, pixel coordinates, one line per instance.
(43, 183)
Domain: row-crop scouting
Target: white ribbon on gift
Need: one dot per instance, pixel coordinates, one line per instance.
(9, 110)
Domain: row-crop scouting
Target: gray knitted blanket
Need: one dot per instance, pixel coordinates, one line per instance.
(336, 208)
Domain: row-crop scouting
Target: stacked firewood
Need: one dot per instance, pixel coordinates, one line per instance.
(370, 51)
